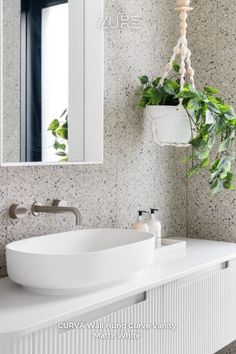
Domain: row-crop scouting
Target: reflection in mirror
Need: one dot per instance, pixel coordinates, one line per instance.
(50, 119)
(44, 75)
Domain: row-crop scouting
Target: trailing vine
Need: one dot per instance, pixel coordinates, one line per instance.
(59, 129)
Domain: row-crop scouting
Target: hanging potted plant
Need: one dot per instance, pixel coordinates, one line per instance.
(172, 124)
(181, 115)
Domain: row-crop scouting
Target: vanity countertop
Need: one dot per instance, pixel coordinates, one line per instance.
(22, 312)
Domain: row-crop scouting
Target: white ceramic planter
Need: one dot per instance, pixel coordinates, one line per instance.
(170, 125)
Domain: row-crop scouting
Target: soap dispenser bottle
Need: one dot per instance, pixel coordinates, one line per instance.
(154, 226)
(140, 224)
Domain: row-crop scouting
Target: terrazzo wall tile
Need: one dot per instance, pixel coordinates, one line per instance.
(213, 217)
(135, 172)
(85, 191)
(11, 80)
(226, 42)
(230, 349)
(203, 22)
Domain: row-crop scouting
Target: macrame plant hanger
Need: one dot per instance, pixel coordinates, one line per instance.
(181, 49)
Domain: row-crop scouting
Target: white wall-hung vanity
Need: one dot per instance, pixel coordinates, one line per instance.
(191, 292)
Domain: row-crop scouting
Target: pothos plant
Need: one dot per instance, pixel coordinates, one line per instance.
(213, 125)
(59, 129)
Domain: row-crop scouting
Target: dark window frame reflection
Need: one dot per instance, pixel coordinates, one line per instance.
(31, 81)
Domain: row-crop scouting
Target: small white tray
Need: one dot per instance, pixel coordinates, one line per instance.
(169, 245)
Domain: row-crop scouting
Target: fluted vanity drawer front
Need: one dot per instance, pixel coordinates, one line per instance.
(206, 310)
(110, 334)
(200, 309)
(90, 337)
(114, 333)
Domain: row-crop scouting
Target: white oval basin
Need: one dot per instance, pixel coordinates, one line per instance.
(80, 259)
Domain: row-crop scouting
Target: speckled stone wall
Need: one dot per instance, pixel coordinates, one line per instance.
(11, 80)
(136, 173)
(214, 50)
(213, 43)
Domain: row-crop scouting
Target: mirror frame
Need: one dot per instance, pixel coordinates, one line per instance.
(86, 47)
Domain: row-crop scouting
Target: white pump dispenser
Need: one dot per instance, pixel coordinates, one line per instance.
(154, 226)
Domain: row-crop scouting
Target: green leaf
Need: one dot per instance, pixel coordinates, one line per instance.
(153, 94)
(65, 125)
(205, 162)
(209, 118)
(156, 82)
(229, 176)
(143, 79)
(155, 98)
(214, 165)
(176, 67)
(187, 159)
(213, 107)
(193, 170)
(62, 132)
(143, 102)
(189, 88)
(224, 108)
(58, 146)
(230, 115)
(203, 153)
(211, 90)
(61, 153)
(219, 127)
(228, 185)
(194, 104)
(211, 142)
(225, 145)
(214, 99)
(227, 165)
(171, 87)
(151, 91)
(199, 142)
(63, 113)
(232, 123)
(202, 96)
(54, 125)
(223, 175)
(145, 92)
(216, 186)
(186, 94)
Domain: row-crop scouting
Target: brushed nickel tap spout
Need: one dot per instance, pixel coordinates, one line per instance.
(58, 207)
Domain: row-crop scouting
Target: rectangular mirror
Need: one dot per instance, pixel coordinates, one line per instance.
(51, 82)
